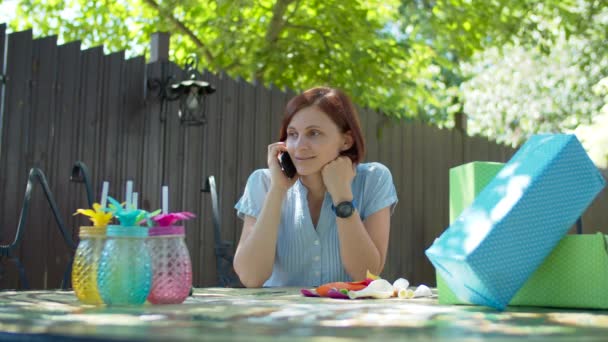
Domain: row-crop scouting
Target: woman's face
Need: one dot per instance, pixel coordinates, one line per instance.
(313, 140)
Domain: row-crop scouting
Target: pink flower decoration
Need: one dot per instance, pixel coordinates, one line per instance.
(169, 219)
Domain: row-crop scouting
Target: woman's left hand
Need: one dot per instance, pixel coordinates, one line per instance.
(338, 176)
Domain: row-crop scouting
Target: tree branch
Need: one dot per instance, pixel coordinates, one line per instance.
(272, 34)
(316, 30)
(185, 30)
(277, 21)
(295, 10)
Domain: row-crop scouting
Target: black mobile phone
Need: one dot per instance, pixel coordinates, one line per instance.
(287, 165)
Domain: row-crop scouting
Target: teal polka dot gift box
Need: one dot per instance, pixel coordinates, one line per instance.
(574, 275)
(487, 254)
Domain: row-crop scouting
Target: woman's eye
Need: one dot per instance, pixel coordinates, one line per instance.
(314, 133)
(292, 134)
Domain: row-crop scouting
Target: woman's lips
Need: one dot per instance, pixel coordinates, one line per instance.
(303, 158)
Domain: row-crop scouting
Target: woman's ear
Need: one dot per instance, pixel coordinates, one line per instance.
(348, 141)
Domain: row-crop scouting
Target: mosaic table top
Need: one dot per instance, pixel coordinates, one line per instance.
(284, 314)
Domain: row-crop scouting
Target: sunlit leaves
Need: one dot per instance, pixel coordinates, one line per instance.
(401, 56)
(524, 91)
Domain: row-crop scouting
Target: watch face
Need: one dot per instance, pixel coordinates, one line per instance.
(344, 209)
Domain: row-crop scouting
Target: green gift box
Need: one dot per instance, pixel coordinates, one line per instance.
(466, 182)
(574, 275)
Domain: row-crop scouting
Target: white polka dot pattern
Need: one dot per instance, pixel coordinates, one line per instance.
(574, 275)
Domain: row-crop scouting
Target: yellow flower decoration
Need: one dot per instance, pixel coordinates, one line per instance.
(97, 215)
(370, 275)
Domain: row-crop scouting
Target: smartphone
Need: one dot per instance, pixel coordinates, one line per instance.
(287, 165)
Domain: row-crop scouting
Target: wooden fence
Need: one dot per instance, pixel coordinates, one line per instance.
(61, 104)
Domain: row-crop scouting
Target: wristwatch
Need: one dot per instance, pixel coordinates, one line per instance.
(344, 209)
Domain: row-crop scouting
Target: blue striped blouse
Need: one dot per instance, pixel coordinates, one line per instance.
(306, 256)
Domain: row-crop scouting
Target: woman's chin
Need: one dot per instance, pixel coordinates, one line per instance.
(307, 172)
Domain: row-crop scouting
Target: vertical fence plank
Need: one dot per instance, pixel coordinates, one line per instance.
(371, 133)
(228, 156)
(457, 148)
(417, 194)
(262, 127)
(2, 87)
(89, 95)
(277, 107)
(110, 125)
(131, 100)
(173, 158)
(395, 251)
(211, 166)
(15, 137)
(51, 250)
(246, 145)
(133, 119)
(494, 153)
(192, 173)
(3, 230)
(176, 136)
(90, 92)
(173, 147)
(33, 247)
(406, 199)
(363, 117)
(152, 137)
(444, 162)
(478, 149)
(64, 150)
(190, 190)
(429, 199)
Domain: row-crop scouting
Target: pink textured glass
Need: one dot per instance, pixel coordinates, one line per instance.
(171, 265)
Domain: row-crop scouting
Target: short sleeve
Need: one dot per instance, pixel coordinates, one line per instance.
(379, 190)
(255, 192)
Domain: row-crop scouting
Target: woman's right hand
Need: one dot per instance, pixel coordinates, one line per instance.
(277, 176)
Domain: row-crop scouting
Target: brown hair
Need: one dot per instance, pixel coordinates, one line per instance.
(338, 106)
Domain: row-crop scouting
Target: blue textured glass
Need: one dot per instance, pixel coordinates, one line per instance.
(125, 267)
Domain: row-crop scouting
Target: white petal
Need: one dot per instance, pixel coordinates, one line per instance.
(379, 288)
(401, 284)
(423, 291)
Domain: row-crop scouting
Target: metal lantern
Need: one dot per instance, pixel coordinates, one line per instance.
(191, 93)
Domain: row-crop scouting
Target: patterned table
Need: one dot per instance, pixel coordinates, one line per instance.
(283, 314)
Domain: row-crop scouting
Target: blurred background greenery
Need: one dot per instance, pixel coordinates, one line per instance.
(514, 67)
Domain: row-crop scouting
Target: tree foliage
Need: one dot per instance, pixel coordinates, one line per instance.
(402, 56)
(457, 30)
(520, 90)
(289, 43)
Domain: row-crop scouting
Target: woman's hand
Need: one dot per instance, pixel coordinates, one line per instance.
(277, 177)
(338, 176)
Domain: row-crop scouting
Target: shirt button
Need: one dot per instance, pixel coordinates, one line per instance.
(316, 242)
(317, 258)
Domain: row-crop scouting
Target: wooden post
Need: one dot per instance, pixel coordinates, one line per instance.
(460, 122)
(159, 46)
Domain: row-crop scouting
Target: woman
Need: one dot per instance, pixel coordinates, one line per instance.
(331, 221)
